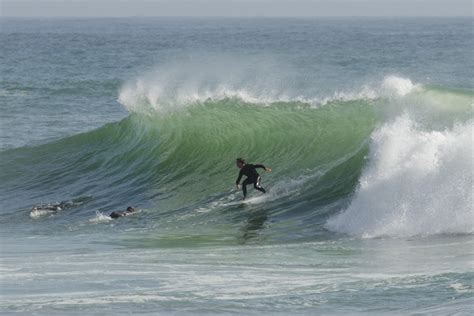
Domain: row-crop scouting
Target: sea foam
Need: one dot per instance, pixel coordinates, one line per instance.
(417, 182)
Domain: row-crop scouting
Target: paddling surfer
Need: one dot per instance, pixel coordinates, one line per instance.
(128, 211)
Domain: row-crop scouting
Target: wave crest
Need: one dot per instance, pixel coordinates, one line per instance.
(175, 86)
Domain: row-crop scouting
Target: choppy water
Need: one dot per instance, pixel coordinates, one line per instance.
(367, 124)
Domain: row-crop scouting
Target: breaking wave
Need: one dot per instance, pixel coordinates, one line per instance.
(388, 159)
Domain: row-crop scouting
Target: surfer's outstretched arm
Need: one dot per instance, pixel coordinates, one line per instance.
(263, 167)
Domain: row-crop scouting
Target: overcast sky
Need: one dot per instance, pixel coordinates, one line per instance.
(120, 8)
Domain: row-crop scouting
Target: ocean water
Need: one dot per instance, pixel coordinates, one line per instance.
(366, 123)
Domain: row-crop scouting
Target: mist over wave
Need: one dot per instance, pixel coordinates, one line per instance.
(173, 86)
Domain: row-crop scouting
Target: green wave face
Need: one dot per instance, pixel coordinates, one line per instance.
(198, 146)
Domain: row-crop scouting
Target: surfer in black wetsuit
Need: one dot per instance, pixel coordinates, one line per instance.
(252, 175)
(128, 211)
(53, 207)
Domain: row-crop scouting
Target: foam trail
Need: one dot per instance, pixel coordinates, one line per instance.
(37, 213)
(417, 183)
(100, 218)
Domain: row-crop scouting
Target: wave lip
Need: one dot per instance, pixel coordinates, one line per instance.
(151, 95)
(417, 183)
(174, 87)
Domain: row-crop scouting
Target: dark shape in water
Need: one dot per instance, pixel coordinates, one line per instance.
(128, 211)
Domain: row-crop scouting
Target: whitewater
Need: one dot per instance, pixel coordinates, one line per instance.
(369, 205)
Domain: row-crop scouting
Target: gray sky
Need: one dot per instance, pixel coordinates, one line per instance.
(121, 8)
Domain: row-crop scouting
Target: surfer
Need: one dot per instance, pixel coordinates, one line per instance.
(252, 175)
(55, 207)
(52, 207)
(128, 211)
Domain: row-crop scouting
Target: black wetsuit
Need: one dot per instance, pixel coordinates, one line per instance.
(117, 214)
(54, 206)
(252, 175)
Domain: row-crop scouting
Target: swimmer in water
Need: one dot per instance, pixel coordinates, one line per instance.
(128, 211)
(53, 207)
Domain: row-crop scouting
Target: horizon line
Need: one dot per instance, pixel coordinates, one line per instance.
(236, 17)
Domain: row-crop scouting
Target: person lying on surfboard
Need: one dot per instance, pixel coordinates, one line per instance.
(128, 211)
(53, 207)
(252, 175)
